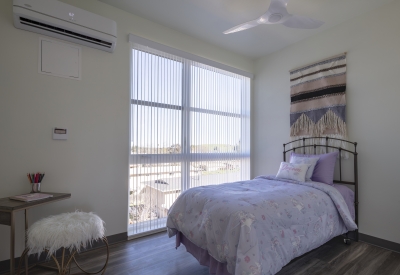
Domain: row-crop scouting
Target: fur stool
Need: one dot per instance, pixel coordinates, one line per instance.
(71, 231)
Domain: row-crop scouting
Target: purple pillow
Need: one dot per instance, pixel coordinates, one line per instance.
(348, 196)
(325, 167)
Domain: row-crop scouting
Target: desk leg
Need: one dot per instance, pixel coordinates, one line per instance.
(12, 244)
(26, 238)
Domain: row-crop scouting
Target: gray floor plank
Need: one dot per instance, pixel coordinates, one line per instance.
(300, 268)
(320, 265)
(156, 255)
(391, 266)
(369, 262)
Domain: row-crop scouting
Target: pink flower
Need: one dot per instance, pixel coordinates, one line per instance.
(247, 259)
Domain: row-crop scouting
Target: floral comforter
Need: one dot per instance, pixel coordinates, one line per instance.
(258, 226)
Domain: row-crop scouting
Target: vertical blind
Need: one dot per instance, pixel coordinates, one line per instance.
(190, 126)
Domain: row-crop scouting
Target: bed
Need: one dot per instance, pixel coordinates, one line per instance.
(258, 226)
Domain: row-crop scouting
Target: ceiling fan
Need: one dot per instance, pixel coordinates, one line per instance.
(277, 14)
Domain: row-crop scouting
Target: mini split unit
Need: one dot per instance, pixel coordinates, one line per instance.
(63, 21)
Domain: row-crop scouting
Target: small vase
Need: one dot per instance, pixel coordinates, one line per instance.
(35, 187)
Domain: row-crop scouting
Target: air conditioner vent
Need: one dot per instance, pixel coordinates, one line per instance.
(62, 21)
(61, 31)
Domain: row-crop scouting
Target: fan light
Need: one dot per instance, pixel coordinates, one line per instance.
(276, 17)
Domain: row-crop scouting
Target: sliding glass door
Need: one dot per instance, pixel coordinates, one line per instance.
(190, 126)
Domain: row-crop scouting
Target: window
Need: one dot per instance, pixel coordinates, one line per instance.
(190, 126)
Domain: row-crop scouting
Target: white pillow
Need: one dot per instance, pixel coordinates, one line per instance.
(304, 160)
(292, 171)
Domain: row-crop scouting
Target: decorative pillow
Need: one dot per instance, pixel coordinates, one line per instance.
(292, 171)
(310, 161)
(325, 167)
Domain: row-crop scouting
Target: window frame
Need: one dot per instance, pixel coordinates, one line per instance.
(186, 157)
(186, 110)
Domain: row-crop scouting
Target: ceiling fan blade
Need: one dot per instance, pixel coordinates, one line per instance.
(242, 27)
(302, 22)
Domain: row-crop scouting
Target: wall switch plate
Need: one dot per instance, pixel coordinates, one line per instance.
(60, 133)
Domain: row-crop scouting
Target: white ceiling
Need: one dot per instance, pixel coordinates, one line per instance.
(207, 19)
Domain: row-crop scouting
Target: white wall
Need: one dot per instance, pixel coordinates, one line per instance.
(93, 163)
(373, 45)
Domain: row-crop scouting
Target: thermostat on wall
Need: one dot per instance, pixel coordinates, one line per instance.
(59, 133)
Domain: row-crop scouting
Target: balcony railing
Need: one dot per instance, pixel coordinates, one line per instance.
(155, 187)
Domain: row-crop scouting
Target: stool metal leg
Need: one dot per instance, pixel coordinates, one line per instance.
(65, 269)
(105, 265)
(60, 271)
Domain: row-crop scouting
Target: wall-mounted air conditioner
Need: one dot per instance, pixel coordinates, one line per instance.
(63, 21)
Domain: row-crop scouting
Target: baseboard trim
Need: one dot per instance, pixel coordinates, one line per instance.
(380, 242)
(121, 237)
(147, 233)
(33, 259)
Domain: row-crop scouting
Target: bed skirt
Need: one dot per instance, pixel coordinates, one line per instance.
(202, 256)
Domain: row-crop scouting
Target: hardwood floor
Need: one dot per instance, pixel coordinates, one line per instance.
(156, 255)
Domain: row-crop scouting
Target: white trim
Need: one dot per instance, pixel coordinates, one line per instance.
(157, 46)
(144, 233)
(129, 138)
(189, 157)
(240, 83)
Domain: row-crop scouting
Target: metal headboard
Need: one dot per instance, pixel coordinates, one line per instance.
(301, 149)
